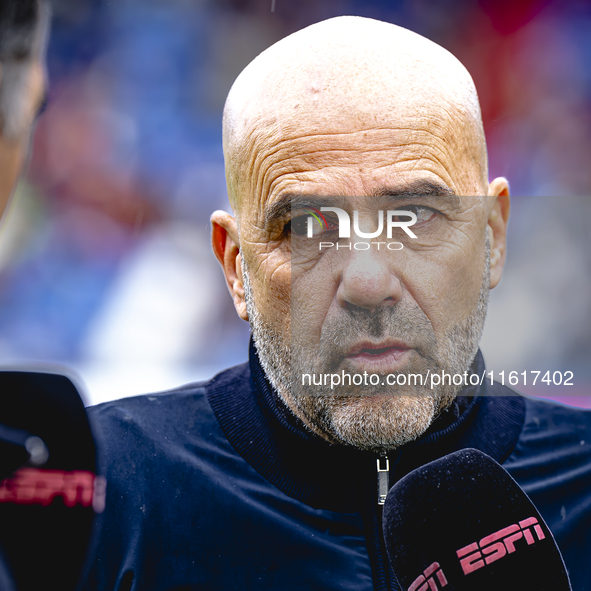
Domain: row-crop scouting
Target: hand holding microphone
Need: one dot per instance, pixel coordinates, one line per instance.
(461, 523)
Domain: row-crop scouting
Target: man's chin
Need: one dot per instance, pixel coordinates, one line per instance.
(378, 423)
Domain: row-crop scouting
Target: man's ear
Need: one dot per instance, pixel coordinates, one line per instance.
(498, 217)
(225, 244)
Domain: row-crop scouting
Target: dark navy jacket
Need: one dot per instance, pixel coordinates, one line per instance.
(216, 486)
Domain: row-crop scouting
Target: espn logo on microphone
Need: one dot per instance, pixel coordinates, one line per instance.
(35, 486)
(428, 580)
(496, 546)
(480, 554)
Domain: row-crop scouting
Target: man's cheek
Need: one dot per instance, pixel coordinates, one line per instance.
(11, 156)
(445, 287)
(308, 314)
(464, 283)
(274, 288)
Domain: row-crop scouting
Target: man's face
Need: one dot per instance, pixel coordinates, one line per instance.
(374, 310)
(385, 121)
(14, 149)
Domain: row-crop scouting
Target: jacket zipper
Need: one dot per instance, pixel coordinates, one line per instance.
(383, 478)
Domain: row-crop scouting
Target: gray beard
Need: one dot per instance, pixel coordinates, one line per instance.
(365, 416)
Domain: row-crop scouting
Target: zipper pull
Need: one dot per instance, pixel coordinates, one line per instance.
(383, 478)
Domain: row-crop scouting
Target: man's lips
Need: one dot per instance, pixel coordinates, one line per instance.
(383, 357)
(375, 350)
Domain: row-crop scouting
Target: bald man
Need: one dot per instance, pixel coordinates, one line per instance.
(364, 240)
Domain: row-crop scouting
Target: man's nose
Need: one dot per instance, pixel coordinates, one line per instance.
(367, 282)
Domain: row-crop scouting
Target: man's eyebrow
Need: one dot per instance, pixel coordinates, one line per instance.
(288, 202)
(421, 188)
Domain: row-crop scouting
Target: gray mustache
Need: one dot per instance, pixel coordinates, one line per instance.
(342, 330)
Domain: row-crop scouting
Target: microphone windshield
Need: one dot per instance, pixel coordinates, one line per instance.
(461, 523)
(50, 491)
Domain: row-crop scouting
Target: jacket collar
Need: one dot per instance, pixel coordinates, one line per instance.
(336, 477)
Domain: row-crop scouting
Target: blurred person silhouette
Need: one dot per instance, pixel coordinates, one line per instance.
(49, 492)
(24, 28)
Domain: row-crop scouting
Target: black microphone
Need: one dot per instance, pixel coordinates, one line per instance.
(17, 448)
(461, 523)
(50, 490)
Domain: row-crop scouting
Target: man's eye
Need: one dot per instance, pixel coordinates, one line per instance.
(424, 214)
(299, 225)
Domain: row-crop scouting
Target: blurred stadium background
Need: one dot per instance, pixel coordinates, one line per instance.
(105, 265)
